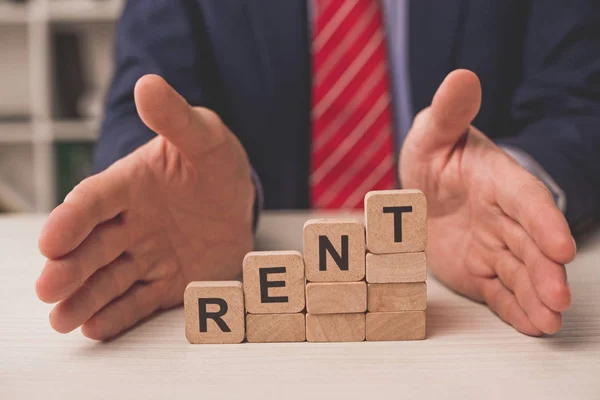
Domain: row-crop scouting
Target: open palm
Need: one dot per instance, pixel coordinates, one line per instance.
(126, 242)
(495, 234)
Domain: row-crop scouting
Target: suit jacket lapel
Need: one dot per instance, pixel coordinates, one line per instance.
(436, 32)
(280, 31)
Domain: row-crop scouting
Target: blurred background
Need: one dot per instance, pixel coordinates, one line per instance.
(55, 65)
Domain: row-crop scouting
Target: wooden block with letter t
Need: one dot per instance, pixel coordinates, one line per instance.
(396, 326)
(335, 327)
(269, 328)
(214, 312)
(334, 250)
(396, 221)
(336, 297)
(274, 282)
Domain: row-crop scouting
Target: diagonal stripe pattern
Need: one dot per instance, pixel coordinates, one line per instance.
(352, 146)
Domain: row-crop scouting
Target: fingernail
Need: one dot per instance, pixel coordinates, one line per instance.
(574, 243)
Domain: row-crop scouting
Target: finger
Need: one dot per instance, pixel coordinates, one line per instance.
(514, 277)
(454, 106)
(503, 303)
(60, 278)
(527, 200)
(139, 302)
(95, 200)
(548, 277)
(102, 287)
(194, 131)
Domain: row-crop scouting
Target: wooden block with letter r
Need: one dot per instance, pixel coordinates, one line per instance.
(396, 221)
(396, 326)
(214, 312)
(334, 250)
(397, 296)
(396, 268)
(274, 282)
(335, 327)
(336, 297)
(269, 328)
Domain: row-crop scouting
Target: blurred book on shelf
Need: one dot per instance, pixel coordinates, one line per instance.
(74, 162)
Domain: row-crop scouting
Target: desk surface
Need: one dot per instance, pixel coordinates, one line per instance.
(469, 353)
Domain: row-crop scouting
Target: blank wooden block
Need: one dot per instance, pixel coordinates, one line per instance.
(336, 297)
(214, 312)
(274, 282)
(335, 327)
(396, 268)
(396, 221)
(334, 250)
(397, 296)
(268, 328)
(395, 326)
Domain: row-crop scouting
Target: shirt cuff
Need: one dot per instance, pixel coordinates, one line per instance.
(534, 168)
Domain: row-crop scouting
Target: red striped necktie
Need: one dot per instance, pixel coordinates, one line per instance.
(352, 146)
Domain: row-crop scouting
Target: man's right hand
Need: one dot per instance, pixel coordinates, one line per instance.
(126, 242)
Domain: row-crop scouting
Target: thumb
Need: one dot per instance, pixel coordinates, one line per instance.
(454, 106)
(194, 131)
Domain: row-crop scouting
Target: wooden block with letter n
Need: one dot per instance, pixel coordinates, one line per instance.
(214, 312)
(397, 296)
(334, 250)
(396, 268)
(396, 221)
(395, 326)
(335, 327)
(274, 282)
(267, 328)
(336, 297)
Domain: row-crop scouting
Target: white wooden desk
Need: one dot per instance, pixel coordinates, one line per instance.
(469, 353)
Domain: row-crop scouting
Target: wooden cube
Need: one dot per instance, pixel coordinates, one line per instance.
(396, 221)
(335, 327)
(274, 282)
(334, 250)
(397, 296)
(396, 268)
(269, 328)
(395, 326)
(214, 312)
(336, 297)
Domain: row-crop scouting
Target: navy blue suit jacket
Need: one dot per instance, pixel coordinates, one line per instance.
(249, 60)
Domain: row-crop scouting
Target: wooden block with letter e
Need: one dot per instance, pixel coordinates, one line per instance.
(274, 282)
(335, 327)
(267, 328)
(334, 250)
(396, 221)
(336, 297)
(394, 326)
(396, 268)
(397, 296)
(214, 312)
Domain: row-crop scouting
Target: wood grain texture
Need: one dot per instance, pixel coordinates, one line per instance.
(468, 349)
(396, 326)
(286, 268)
(272, 328)
(396, 268)
(382, 238)
(335, 327)
(397, 296)
(336, 297)
(229, 292)
(334, 230)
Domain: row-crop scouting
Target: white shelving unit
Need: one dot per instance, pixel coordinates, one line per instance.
(30, 127)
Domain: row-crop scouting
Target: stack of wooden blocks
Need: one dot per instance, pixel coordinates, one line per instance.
(323, 296)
